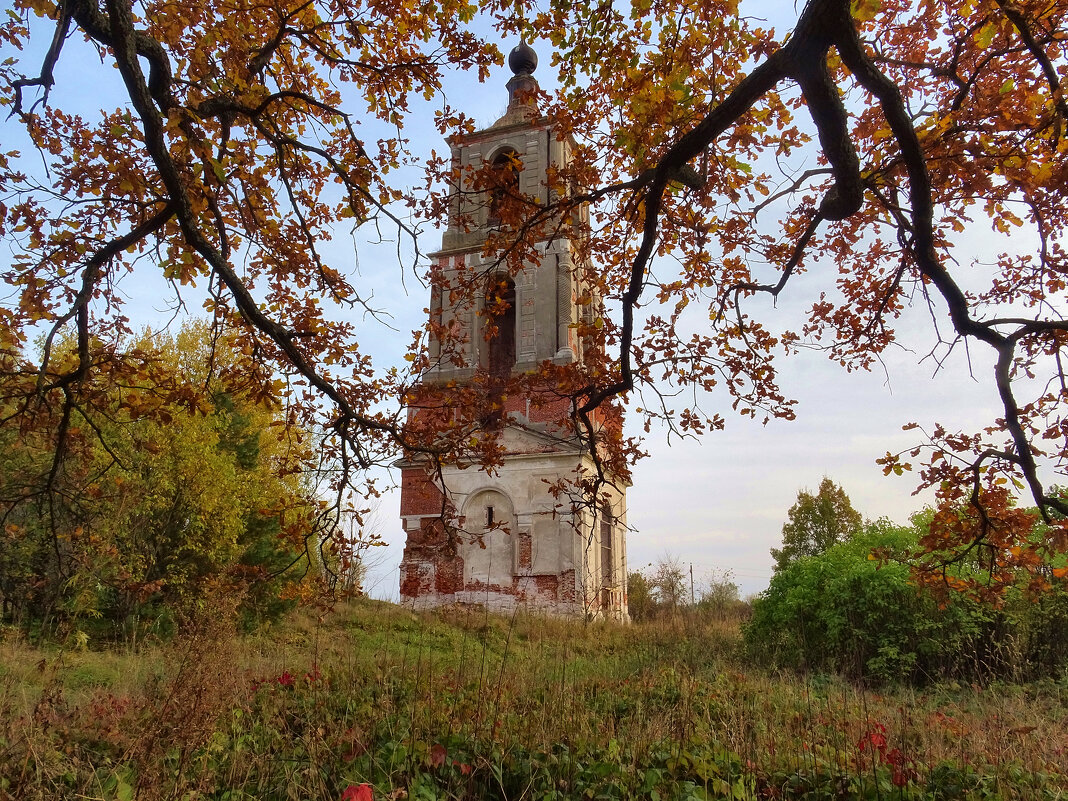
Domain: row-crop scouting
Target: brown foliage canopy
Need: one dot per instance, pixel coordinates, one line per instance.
(915, 122)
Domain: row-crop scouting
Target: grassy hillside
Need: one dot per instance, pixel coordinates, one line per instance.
(459, 704)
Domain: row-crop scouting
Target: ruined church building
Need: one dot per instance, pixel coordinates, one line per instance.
(514, 544)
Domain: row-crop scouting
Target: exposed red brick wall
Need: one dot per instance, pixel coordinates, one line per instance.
(415, 580)
(479, 586)
(568, 588)
(525, 551)
(450, 576)
(548, 587)
(419, 495)
(431, 574)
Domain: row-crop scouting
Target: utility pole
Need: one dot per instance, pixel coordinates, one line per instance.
(693, 601)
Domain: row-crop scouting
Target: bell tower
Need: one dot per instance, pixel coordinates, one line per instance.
(506, 324)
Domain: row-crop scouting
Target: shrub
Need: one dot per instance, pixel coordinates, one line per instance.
(846, 611)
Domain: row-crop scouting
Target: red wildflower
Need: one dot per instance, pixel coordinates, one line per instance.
(286, 679)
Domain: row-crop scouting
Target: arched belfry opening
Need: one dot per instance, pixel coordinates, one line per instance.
(505, 535)
(500, 321)
(504, 171)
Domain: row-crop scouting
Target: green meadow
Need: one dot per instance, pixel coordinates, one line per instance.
(374, 701)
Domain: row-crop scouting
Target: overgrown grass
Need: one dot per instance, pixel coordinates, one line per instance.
(461, 704)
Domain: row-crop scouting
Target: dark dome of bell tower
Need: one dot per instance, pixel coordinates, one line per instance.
(522, 60)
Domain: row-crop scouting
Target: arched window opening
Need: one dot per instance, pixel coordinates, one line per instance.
(500, 323)
(504, 182)
(607, 555)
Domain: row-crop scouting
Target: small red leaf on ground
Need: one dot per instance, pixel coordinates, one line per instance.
(358, 792)
(437, 755)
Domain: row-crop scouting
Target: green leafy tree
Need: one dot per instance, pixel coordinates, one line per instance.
(816, 522)
(187, 481)
(640, 601)
(719, 594)
(669, 584)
